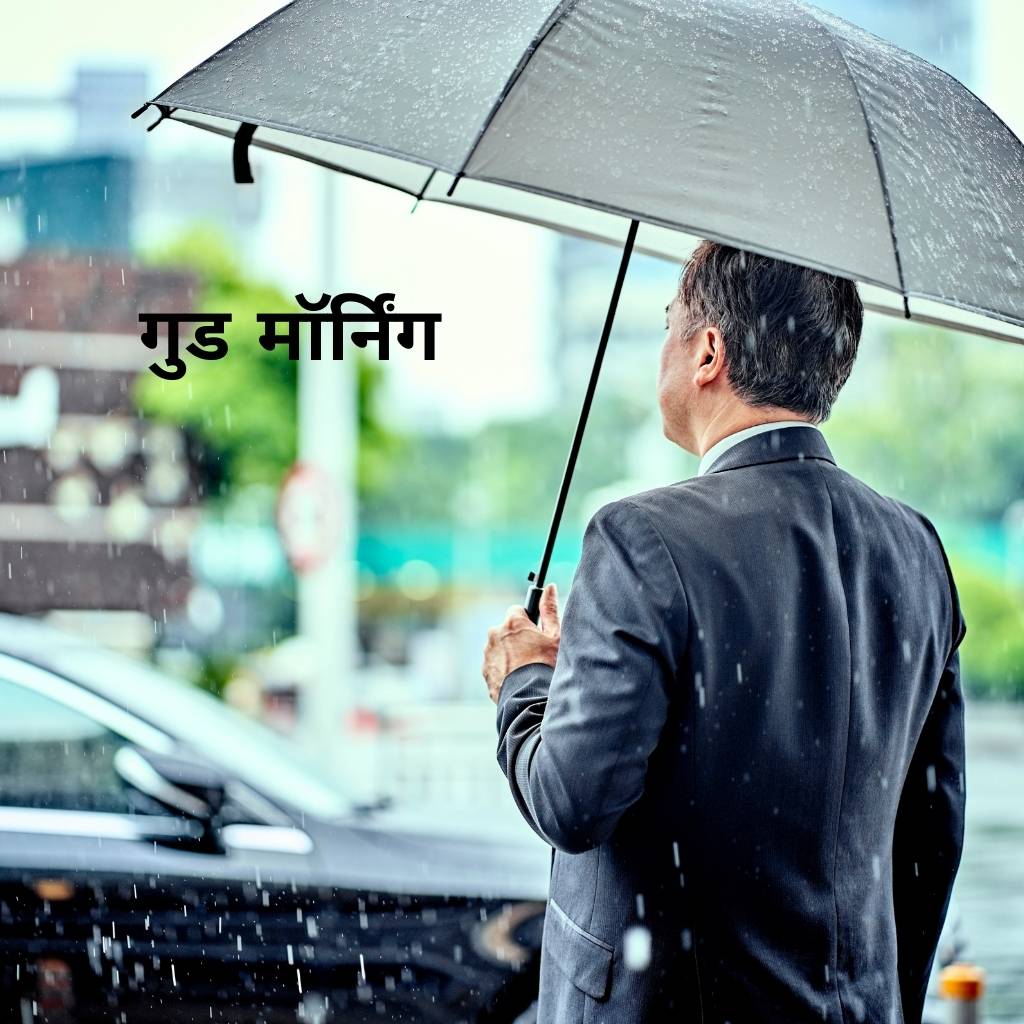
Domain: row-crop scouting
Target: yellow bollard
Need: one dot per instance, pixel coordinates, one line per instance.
(963, 985)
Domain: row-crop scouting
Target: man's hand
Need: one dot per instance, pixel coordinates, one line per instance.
(517, 641)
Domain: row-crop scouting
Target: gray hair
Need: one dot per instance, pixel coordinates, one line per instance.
(790, 333)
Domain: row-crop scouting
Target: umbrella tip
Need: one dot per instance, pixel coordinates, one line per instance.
(455, 181)
(906, 308)
(162, 109)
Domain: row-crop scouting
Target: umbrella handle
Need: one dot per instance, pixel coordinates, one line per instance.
(532, 602)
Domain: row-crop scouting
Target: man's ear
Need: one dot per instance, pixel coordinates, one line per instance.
(710, 355)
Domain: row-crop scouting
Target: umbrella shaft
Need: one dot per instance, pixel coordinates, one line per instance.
(536, 584)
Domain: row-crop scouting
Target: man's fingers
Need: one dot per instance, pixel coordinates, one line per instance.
(516, 613)
(549, 610)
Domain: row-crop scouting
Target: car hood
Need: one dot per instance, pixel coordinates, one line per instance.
(439, 852)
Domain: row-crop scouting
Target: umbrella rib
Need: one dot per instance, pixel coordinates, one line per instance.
(562, 8)
(227, 46)
(423, 190)
(950, 325)
(273, 147)
(306, 133)
(655, 221)
(1014, 137)
(879, 165)
(725, 239)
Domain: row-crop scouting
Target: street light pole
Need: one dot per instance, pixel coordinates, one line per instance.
(328, 438)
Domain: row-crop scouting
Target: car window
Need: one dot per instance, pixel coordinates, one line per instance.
(268, 763)
(56, 757)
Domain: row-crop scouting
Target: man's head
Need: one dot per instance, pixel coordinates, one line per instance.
(751, 338)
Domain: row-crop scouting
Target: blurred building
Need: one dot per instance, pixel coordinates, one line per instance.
(1000, 30)
(941, 31)
(98, 508)
(96, 505)
(70, 203)
(102, 188)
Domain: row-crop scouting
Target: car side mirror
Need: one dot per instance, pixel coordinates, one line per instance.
(194, 791)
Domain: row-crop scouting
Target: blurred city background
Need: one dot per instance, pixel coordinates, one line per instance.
(325, 548)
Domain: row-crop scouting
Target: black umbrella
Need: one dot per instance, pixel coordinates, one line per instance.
(775, 127)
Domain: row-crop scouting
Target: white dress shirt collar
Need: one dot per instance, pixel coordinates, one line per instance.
(722, 446)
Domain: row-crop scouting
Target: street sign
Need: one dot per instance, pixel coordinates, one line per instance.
(308, 516)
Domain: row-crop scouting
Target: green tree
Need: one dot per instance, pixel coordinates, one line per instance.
(933, 418)
(243, 408)
(516, 464)
(992, 654)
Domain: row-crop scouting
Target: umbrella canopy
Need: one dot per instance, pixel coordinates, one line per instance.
(774, 126)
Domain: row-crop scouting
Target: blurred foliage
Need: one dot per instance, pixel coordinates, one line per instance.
(243, 408)
(215, 671)
(507, 474)
(933, 419)
(992, 654)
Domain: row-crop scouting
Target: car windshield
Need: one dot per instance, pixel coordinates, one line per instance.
(248, 750)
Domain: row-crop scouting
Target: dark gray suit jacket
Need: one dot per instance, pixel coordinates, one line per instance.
(749, 756)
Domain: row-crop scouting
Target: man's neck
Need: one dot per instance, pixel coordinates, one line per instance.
(730, 420)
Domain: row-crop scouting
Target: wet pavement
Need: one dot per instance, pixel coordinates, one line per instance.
(989, 891)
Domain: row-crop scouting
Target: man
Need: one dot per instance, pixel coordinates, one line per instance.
(745, 740)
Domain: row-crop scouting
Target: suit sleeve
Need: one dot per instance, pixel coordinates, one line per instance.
(573, 741)
(929, 832)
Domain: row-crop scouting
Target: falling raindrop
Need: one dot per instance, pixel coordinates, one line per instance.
(636, 948)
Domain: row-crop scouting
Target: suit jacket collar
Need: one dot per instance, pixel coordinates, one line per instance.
(785, 444)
